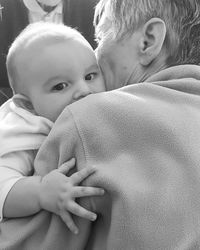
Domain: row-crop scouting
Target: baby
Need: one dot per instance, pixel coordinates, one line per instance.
(49, 66)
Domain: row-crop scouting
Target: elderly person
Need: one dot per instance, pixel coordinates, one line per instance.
(143, 138)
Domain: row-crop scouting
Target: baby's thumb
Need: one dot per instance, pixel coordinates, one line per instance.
(65, 167)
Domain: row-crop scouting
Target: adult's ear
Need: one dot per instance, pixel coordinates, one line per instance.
(152, 40)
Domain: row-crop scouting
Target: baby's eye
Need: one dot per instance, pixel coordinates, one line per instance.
(60, 86)
(91, 76)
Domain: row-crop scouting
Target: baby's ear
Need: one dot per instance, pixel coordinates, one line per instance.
(23, 102)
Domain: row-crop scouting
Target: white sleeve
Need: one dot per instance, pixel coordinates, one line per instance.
(13, 167)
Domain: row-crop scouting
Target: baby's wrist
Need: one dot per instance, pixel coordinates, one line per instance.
(40, 193)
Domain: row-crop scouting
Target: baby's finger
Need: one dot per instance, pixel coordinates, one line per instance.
(82, 212)
(66, 217)
(79, 176)
(87, 191)
(65, 167)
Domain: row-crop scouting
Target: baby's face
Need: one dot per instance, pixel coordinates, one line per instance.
(58, 74)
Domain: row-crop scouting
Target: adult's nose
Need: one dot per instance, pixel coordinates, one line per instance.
(82, 90)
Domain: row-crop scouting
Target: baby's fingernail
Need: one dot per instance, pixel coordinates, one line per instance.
(94, 217)
(102, 191)
(76, 231)
(92, 169)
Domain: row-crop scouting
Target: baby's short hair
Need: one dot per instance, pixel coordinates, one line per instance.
(36, 33)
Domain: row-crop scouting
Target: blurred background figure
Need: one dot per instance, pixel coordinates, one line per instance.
(15, 15)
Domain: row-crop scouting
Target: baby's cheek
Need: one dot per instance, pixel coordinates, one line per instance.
(101, 85)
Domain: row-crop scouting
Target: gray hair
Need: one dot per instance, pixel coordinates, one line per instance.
(182, 19)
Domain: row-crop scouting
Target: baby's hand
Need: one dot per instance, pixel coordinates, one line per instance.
(58, 193)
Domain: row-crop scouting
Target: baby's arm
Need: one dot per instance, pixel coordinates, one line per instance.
(54, 192)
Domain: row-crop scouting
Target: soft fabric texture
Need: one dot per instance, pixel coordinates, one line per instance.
(21, 135)
(15, 123)
(144, 140)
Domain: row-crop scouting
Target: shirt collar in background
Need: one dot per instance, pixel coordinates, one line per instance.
(36, 13)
